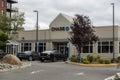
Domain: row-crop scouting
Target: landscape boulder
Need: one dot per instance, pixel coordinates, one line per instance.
(11, 59)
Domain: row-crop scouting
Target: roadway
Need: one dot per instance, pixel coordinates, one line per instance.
(58, 71)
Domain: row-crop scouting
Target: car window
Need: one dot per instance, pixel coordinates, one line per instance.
(54, 51)
(27, 52)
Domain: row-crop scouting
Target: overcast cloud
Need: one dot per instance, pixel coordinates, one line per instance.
(99, 11)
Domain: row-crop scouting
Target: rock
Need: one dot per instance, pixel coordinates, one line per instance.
(117, 76)
(11, 59)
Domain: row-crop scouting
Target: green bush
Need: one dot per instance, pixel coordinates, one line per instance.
(107, 61)
(73, 58)
(90, 58)
(101, 61)
(118, 59)
(85, 61)
(96, 59)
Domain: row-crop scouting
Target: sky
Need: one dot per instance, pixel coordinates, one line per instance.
(99, 11)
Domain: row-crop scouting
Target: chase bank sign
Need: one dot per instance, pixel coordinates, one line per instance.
(66, 28)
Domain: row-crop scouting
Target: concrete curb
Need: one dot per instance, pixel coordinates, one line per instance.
(91, 65)
(24, 65)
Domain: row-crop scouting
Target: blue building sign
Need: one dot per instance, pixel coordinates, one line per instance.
(66, 28)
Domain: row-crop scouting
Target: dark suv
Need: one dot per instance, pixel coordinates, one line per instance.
(52, 56)
(28, 55)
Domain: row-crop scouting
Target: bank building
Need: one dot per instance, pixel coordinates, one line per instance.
(56, 37)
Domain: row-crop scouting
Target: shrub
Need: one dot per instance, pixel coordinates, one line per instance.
(73, 58)
(11, 59)
(101, 61)
(90, 58)
(107, 61)
(96, 59)
(118, 59)
(85, 61)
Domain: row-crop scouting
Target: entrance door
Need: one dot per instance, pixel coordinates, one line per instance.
(62, 48)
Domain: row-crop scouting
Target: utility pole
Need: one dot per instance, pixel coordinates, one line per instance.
(37, 43)
(113, 20)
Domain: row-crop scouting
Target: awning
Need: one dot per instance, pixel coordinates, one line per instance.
(11, 42)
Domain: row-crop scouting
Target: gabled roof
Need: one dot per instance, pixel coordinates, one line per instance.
(11, 42)
(68, 18)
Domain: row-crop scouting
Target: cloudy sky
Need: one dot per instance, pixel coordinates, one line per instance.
(99, 11)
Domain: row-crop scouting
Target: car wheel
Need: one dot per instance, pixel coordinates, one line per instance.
(42, 60)
(65, 59)
(30, 58)
(20, 59)
(54, 59)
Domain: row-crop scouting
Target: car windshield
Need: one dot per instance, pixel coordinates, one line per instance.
(27, 52)
(48, 51)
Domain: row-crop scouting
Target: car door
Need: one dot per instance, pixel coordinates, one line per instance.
(58, 55)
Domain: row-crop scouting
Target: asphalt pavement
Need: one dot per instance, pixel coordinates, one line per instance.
(58, 71)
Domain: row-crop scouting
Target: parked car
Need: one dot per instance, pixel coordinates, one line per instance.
(52, 56)
(2, 54)
(28, 55)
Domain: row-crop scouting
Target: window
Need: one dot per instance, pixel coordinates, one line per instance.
(41, 47)
(8, 14)
(25, 47)
(2, 11)
(105, 47)
(88, 48)
(2, 3)
(8, 5)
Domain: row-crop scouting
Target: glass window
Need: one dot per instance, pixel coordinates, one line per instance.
(2, 11)
(105, 47)
(41, 47)
(88, 48)
(8, 5)
(2, 3)
(25, 47)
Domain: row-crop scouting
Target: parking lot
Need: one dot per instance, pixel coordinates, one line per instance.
(58, 71)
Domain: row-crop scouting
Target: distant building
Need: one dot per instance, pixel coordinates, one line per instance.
(6, 6)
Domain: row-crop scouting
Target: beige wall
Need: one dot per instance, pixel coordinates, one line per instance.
(43, 35)
(106, 32)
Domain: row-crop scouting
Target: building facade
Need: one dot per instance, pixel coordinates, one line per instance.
(6, 6)
(56, 37)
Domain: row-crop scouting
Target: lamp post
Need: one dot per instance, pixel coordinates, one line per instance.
(113, 33)
(37, 43)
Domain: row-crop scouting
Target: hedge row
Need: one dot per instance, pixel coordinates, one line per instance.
(91, 59)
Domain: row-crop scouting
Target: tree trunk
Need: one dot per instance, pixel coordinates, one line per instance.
(79, 55)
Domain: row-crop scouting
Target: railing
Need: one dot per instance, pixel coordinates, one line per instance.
(13, 1)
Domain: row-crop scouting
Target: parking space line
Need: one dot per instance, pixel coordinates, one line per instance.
(80, 74)
(34, 72)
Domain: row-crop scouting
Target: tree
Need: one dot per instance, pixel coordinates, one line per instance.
(81, 33)
(3, 38)
(5, 23)
(17, 21)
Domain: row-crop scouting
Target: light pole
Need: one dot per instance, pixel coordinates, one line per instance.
(113, 33)
(37, 43)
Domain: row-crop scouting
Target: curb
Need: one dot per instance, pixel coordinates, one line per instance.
(24, 65)
(91, 65)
